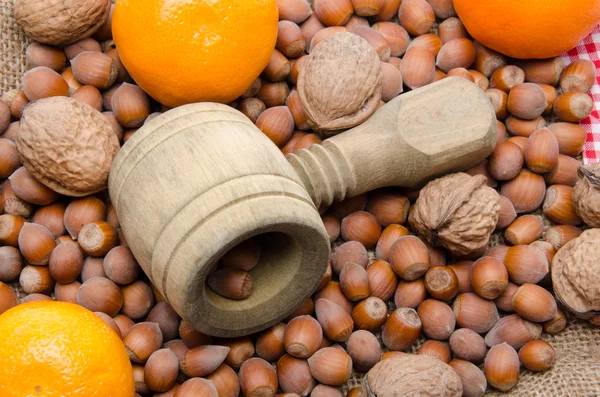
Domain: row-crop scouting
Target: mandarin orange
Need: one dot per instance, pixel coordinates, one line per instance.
(59, 349)
(529, 28)
(185, 51)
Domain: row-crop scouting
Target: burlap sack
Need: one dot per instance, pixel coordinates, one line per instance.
(577, 369)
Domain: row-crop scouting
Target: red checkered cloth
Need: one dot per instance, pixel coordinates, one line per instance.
(589, 48)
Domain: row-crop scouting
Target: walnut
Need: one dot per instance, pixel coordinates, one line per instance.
(61, 22)
(411, 375)
(457, 211)
(586, 195)
(340, 83)
(576, 274)
(67, 145)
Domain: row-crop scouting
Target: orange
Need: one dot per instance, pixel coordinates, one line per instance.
(185, 51)
(529, 28)
(59, 349)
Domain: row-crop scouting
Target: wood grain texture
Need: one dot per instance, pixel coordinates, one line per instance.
(198, 180)
(444, 127)
(201, 178)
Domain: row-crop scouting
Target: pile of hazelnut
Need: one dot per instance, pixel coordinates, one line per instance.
(482, 311)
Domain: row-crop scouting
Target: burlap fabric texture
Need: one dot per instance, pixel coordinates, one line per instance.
(577, 369)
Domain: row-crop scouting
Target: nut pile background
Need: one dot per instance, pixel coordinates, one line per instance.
(484, 316)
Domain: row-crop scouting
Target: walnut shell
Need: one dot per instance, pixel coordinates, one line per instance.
(576, 274)
(67, 145)
(61, 22)
(458, 212)
(340, 83)
(411, 375)
(586, 194)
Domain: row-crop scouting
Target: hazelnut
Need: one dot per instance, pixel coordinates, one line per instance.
(99, 294)
(439, 217)
(461, 72)
(290, 40)
(429, 42)
(416, 16)
(38, 54)
(95, 68)
(270, 343)
(361, 226)
(332, 12)
(573, 106)
(331, 366)
(333, 292)
(97, 238)
(396, 36)
(9, 158)
(43, 82)
(401, 329)
(482, 169)
(326, 391)
(560, 235)
(382, 279)
(130, 105)
(457, 53)
(8, 298)
(514, 330)
(16, 101)
(389, 9)
(375, 39)
(294, 10)
(388, 207)
(524, 128)
(302, 336)
(468, 345)
(12, 263)
(541, 152)
(90, 95)
(559, 206)
(565, 172)
(273, 94)
(354, 282)
(82, 211)
(418, 67)
(120, 265)
(279, 67)
(487, 61)
(475, 313)
(462, 270)
(203, 360)
(489, 277)
(501, 367)
(507, 213)
(65, 263)
(336, 322)
(29, 189)
(166, 318)
(363, 347)
(543, 71)
(506, 77)
(391, 83)
(252, 108)
(441, 282)
(197, 387)
(310, 26)
(524, 230)
(294, 375)
(161, 370)
(473, 380)
(111, 323)
(410, 293)
(556, 324)
(367, 8)
(332, 226)
(137, 300)
(437, 318)
(51, 217)
(321, 35)
(537, 356)
(451, 29)
(300, 120)
(527, 101)
(437, 349)
(413, 375)
(482, 82)
(141, 340)
(409, 257)
(534, 303)
(350, 251)
(389, 235)
(526, 264)
(370, 314)
(68, 293)
(579, 76)
(226, 381)
(526, 191)
(123, 322)
(504, 301)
